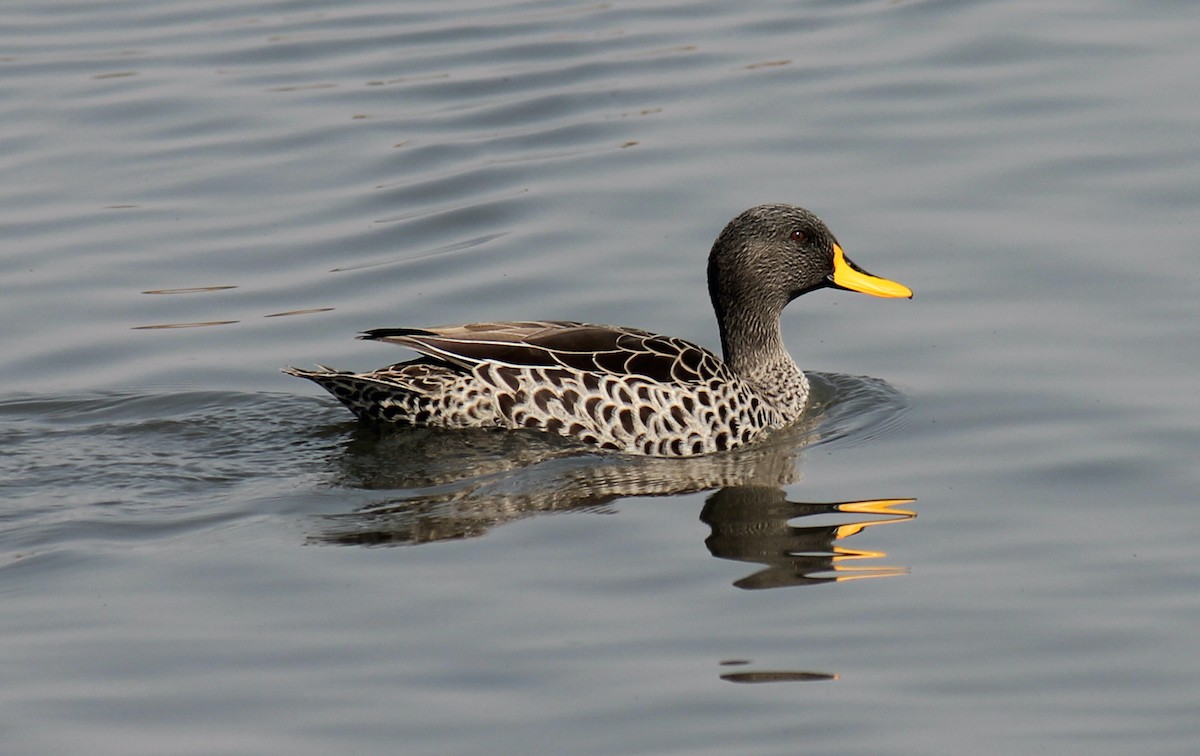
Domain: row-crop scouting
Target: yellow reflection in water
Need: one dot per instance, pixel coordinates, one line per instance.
(754, 524)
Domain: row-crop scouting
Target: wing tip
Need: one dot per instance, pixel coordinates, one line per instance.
(382, 334)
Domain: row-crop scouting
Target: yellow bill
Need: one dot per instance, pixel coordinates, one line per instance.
(847, 275)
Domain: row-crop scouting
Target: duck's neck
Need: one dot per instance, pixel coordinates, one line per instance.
(753, 348)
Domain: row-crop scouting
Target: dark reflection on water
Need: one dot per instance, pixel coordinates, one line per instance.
(768, 676)
(452, 485)
(765, 677)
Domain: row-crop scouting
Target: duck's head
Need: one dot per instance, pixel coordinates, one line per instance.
(775, 253)
(771, 254)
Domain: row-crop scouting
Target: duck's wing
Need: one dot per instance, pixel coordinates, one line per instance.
(609, 350)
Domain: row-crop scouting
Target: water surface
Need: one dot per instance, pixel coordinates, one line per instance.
(199, 554)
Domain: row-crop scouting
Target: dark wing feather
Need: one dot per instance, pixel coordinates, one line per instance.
(558, 344)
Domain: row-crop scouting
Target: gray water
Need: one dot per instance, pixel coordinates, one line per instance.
(201, 555)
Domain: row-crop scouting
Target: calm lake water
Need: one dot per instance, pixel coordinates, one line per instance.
(201, 555)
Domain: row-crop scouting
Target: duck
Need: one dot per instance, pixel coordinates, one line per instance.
(619, 389)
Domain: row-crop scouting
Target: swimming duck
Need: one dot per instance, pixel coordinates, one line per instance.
(624, 389)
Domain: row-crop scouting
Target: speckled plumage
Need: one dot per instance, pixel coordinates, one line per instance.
(624, 389)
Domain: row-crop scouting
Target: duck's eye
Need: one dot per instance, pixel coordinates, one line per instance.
(798, 236)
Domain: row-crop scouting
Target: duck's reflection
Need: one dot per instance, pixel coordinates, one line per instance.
(463, 484)
(753, 524)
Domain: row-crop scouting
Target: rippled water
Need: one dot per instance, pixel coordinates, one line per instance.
(199, 554)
